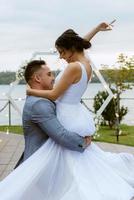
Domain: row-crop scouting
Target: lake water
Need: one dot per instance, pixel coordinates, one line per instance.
(18, 94)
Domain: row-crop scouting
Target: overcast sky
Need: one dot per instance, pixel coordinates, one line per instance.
(33, 25)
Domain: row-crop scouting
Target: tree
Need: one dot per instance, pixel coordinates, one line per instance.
(121, 77)
(109, 114)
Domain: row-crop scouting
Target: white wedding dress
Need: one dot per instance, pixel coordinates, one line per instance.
(56, 173)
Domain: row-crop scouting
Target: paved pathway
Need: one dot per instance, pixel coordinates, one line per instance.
(12, 145)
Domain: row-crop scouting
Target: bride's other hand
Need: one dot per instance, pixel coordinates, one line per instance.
(105, 26)
(28, 90)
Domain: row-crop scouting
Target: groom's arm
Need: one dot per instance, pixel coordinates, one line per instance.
(44, 114)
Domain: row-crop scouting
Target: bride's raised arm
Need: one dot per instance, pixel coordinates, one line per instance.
(100, 27)
(70, 75)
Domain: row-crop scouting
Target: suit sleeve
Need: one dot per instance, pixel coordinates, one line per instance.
(44, 114)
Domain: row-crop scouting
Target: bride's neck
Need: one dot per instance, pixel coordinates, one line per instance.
(78, 56)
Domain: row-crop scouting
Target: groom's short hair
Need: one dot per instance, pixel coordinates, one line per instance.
(32, 67)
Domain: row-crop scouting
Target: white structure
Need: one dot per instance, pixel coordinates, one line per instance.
(51, 53)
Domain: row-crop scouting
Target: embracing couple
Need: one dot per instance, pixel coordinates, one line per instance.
(60, 162)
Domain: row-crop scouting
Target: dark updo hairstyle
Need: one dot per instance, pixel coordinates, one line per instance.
(71, 40)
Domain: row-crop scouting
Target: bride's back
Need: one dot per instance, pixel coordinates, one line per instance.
(74, 93)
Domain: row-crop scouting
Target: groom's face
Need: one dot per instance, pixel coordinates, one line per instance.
(45, 78)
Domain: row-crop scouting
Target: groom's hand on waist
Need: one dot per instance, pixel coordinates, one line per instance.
(87, 140)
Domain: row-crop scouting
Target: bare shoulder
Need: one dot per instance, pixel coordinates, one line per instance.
(72, 72)
(73, 67)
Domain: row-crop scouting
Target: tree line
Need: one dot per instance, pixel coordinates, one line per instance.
(8, 76)
(124, 71)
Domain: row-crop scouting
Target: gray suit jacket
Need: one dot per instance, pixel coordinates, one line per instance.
(40, 123)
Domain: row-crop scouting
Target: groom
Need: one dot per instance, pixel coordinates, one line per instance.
(39, 115)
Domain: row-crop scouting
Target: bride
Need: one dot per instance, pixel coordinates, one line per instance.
(62, 174)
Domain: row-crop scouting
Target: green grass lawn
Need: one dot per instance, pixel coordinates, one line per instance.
(106, 135)
(12, 129)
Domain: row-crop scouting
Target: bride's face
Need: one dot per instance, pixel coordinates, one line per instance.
(65, 54)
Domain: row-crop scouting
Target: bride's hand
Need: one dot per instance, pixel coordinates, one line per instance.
(28, 90)
(105, 26)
